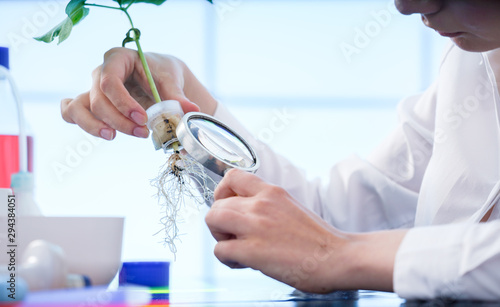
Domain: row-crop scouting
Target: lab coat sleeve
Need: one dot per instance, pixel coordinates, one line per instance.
(361, 195)
(457, 261)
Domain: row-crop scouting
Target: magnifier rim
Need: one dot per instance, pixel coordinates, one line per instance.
(184, 132)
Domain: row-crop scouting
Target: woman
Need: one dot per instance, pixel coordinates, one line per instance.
(418, 217)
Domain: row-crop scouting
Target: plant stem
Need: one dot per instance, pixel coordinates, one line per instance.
(151, 81)
(145, 65)
(131, 2)
(103, 6)
(175, 145)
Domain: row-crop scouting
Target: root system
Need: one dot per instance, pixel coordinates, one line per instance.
(179, 180)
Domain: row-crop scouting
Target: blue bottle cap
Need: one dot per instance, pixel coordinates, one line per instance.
(4, 57)
(12, 289)
(22, 181)
(149, 274)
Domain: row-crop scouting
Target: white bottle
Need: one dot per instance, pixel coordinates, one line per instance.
(23, 184)
(44, 267)
(9, 128)
(15, 147)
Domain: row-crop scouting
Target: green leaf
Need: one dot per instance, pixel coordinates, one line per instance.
(126, 2)
(73, 6)
(62, 31)
(76, 11)
(156, 2)
(67, 26)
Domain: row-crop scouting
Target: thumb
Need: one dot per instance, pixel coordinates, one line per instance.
(173, 91)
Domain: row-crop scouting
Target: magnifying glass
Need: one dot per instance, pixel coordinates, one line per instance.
(201, 150)
(207, 140)
(214, 145)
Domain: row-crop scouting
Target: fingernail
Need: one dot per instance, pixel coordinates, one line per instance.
(139, 118)
(106, 134)
(141, 132)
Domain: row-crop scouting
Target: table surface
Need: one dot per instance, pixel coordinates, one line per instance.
(239, 297)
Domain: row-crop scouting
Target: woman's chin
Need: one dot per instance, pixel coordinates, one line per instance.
(474, 44)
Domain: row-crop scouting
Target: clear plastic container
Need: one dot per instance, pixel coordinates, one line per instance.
(9, 128)
(163, 119)
(16, 149)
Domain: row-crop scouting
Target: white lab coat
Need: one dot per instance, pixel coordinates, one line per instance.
(438, 171)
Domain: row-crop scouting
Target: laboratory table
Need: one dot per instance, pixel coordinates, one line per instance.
(233, 297)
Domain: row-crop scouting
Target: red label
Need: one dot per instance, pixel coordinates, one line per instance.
(9, 157)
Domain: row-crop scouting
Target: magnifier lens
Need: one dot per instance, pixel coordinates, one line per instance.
(221, 142)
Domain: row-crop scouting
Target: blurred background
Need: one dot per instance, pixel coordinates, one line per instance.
(336, 68)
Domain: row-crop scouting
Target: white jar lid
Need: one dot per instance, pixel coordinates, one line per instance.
(163, 118)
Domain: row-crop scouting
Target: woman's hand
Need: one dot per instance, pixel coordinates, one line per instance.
(120, 94)
(261, 226)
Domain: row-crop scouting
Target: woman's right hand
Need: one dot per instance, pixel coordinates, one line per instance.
(120, 94)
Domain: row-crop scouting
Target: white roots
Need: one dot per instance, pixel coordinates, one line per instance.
(180, 178)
